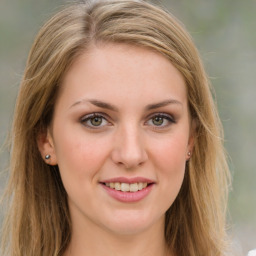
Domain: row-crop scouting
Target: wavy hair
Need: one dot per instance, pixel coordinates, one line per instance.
(38, 220)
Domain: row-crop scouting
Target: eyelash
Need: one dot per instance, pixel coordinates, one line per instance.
(165, 117)
(88, 118)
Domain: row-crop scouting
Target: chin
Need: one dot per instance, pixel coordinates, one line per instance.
(133, 223)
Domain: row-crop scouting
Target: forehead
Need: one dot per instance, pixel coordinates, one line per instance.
(122, 70)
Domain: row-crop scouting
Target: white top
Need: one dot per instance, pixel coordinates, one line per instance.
(252, 253)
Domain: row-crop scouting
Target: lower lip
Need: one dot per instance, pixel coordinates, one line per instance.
(128, 197)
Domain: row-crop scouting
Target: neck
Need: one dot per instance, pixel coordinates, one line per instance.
(100, 242)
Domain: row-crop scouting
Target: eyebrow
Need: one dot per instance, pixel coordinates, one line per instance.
(97, 103)
(109, 106)
(163, 104)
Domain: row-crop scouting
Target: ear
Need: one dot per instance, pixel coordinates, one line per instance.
(191, 140)
(46, 147)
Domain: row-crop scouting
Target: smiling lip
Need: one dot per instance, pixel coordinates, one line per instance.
(128, 189)
(128, 180)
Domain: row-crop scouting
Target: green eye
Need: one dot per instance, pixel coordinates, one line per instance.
(96, 121)
(158, 120)
(161, 120)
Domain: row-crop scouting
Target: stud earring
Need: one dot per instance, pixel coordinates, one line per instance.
(189, 153)
(47, 157)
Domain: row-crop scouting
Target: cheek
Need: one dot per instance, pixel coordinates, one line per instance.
(170, 162)
(79, 156)
(171, 152)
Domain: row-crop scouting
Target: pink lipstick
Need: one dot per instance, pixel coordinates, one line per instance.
(128, 189)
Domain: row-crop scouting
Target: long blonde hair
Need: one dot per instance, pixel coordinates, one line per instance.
(38, 221)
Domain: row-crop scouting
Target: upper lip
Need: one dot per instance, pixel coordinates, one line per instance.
(128, 180)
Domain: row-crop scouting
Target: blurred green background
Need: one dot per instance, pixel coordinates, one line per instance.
(225, 34)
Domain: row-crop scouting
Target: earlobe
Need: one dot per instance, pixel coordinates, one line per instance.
(189, 154)
(190, 146)
(191, 140)
(46, 147)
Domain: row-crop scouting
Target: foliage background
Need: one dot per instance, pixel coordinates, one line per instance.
(225, 34)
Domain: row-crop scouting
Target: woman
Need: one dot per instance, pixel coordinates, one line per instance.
(117, 145)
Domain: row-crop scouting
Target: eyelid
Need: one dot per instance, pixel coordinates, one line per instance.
(89, 116)
(170, 118)
(93, 114)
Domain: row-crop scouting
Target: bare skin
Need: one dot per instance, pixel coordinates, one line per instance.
(122, 118)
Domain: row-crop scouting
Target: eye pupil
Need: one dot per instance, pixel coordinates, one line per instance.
(158, 120)
(96, 121)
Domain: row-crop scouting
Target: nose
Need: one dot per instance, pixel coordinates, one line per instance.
(129, 149)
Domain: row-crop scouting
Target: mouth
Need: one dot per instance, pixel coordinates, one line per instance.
(128, 190)
(127, 187)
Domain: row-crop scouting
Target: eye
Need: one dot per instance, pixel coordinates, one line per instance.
(94, 121)
(160, 120)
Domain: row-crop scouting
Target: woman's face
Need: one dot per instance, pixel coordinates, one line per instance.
(120, 136)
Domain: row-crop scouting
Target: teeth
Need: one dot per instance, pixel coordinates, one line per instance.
(134, 187)
(140, 186)
(125, 187)
(117, 186)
